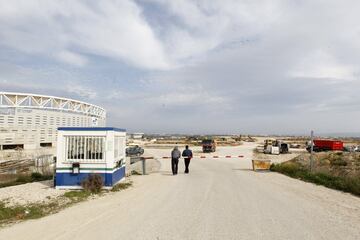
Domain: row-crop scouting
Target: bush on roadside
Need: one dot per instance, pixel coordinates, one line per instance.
(295, 170)
(338, 162)
(36, 176)
(23, 179)
(14, 213)
(93, 183)
(134, 172)
(77, 196)
(121, 186)
(26, 178)
(289, 168)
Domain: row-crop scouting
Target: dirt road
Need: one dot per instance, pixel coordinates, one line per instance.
(220, 199)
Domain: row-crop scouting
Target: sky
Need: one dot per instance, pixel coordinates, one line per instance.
(191, 66)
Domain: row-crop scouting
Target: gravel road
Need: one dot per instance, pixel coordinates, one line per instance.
(220, 199)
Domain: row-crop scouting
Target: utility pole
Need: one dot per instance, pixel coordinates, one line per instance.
(311, 151)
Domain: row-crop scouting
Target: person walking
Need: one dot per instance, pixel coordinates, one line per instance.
(187, 154)
(175, 155)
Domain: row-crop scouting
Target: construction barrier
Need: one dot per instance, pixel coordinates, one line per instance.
(261, 165)
(215, 156)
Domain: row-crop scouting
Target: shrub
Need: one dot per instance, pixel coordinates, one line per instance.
(121, 186)
(14, 213)
(23, 179)
(353, 185)
(36, 176)
(343, 183)
(338, 162)
(291, 169)
(93, 183)
(26, 178)
(77, 196)
(134, 172)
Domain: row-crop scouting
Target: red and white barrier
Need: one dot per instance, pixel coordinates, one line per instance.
(213, 156)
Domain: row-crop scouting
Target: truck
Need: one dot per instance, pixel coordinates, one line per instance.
(275, 147)
(267, 142)
(208, 145)
(283, 147)
(326, 145)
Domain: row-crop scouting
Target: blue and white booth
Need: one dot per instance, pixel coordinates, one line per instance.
(90, 150)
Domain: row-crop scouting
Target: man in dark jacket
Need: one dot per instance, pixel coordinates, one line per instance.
(175, 155)
(187, 154)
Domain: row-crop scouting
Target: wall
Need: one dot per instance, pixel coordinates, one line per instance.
(31, 127)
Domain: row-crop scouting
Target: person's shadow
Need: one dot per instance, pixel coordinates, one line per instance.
(166, 173)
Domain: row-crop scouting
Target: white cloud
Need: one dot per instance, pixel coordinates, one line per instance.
(252, 66)
(113, 29)
(174, 99)
(321, 64)
(72, 58)
(202, 26)
(81, 91)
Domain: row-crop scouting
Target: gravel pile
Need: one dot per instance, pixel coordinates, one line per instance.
(37, 192)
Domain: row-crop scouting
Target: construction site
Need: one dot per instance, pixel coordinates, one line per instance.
(80, 159)
(179, 120)
(222, 170)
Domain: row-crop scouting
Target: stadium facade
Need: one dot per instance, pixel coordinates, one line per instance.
(30, 121)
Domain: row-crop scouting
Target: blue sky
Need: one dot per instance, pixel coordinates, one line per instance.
(191, 66)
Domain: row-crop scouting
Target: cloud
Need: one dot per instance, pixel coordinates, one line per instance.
(321, 65)
(194, 28)
(191, 65)
(69, 31)
(72, 58)
(82, 92)
(46, 80)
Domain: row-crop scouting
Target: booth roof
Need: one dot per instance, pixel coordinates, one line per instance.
(91, 129)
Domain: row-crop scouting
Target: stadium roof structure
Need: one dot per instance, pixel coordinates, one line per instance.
(26, 100)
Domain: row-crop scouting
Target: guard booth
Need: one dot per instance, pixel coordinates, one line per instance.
(90, 150)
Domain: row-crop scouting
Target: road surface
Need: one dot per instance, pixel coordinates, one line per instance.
(220, 199)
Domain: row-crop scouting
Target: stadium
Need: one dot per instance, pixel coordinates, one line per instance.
(30, 121)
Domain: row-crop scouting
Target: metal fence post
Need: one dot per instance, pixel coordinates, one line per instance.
(311, 151)
(143, 166)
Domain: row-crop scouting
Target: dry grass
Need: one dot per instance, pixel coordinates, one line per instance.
(121, 186)
(296, 170)
(18, 179)
(13, 214)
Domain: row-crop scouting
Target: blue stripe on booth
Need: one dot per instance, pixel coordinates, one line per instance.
(109, 179)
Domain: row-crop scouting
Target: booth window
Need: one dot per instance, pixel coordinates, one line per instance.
(118, 146)
(85, 148)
